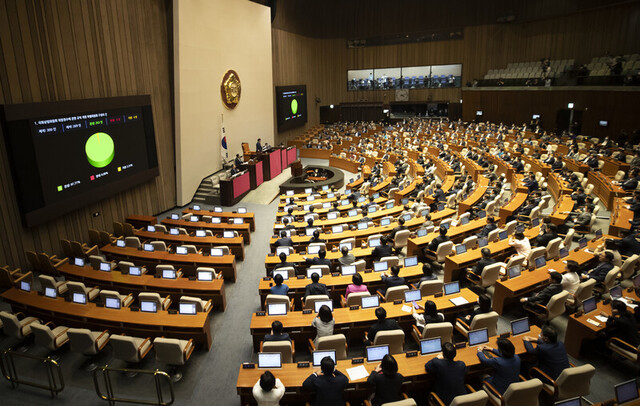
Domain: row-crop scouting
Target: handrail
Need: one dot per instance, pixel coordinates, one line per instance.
(55, 381)
(112, 399)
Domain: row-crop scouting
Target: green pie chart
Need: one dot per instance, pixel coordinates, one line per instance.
(99, 149)
(294, 106)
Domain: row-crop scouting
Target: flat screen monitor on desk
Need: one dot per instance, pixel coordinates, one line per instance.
(369, 302)
(412, 296)
(148, 306)
(375, 353)
(520, 326)
(569, 402)
(79, 298)
(332, 215)
(380, 266)
(626, 392)
(112, 303)
(451, 288)
(277, 309)
(187, 308)
(477, 337)
(269, 360)
(348, 269)
(430, 346)
(589, 305)
(514, 271)
(284, 250)
(50, 292)
(217, 252)
(135, 271)
(319, 303)
(205, 275)
(410, 261)
(284, 274)
(168, 274)
(540, 262)
(319, 355)
(374, 242)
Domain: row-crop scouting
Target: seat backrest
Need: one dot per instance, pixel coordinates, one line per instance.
(510, 227)
(444, 249)
(535, 253)
(493, 235)
(151, 297)
(486, 320)
(470, 242)
(322, 245)
(124, 348)
(443, 330)
(169, 350)
(428, 288)
(403, 402)
(555, 307)
(515, 260)
(76, 287)
(283, 347)
(325, 269)
(628, 266)
(391, 261)
(360, 265)
(394, 338)
(478, 398)
(611, 277)
(47, 281)
(133, 242)
(309, 301)
(395, 293)
(337, 342)
(159, 245)
(401, 238)
(43, 335)
(277, 299)
(104, 294)
(553, 248)
(124, 266)
(523, 393)
(10, 324)
(355, 299)
(569, 237)
(81, 340)
(584, 291)
(490, 274)
(574, 382)
(95, 260)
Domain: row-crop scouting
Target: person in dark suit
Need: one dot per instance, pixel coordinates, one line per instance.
(632, 182)
(387, 381)
(283, 241)
(427, 274)
(518, 166)
(258, 145)
(383, 324)
(448, 381)
(435, 243)
(550, 234)
(237, 161)
(279, 288)
(283, 261)
(491, 225)
(392, 280)
(622, 324)
(383, 250)
(506, 365)
(276, 333)
(315, 287)
(484, 306)
(628, 244)
(592, 161)
(599, 273)
(287, 224)
(438, 194)
(486, 260)
(531, 183)
(579, 197)
(400, 227)
(316, 237)
(328, 383)
(320, 259)
(550, 353)
(543, 297)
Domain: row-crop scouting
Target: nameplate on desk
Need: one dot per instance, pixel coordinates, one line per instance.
(134, 308)
(271, 254)
(368, 270)
(461, 344)
(157, 275)
(335, 274)
(411, 354)
(266, 278)
(98, 304)
(354, 307)
(173, 311)
(357, 360)
(438, 294)
(304, 364)
(397, 301)
(307, 311)
(192, 278)
(301, 276)
(261, 313)
(505, 335)
(248, 365)
(67, 298)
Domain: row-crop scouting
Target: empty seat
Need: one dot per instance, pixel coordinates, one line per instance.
(88, 342)
(518, 393)
(309, 301)
(161, 303)
(16, 327)
(13, 278)
(485, 320)
(443, 330)
(394, 338)
(78, 287)
(125, 300)
(130, 349)
(201, 305)
(336, 342)
(49, 336)
(173, 352)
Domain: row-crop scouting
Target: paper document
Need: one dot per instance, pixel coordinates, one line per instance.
(628, 302)
(406, 308)
(459, 301)
(602, 318)
(595, 323)
(357, 373)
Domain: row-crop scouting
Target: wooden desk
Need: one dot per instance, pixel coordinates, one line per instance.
(138, 220)
(327, 224)
(122, 283)
(620, 217)
(474, 197)
(604, 189)
(236, 244)
(248, 217)
(416, 379)
(576, 166)
(456, 234)
(561, 211)
(225, 264)
(138, 324)
(612, 166)
(242, 229)
(517, 200)
(348, 165)
(315, 153)
(353, 323)
(557, 186)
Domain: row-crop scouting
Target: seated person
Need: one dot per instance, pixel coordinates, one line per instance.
(283, 262)
(287, 224)
(430, 314)
(268, 390)
(328, 384)
(622, 324)
(316, 237)
(387, 381)
(632, 182)
(599, 273)
(356, 285)
(283, 241)
(521, 244)
(550, 234)
(279, 288)
(427, 274)
(571, 277)
(449, 375)
(506, 365)
(484, 306)
(489, 227)
(315, 287)
(383, 250)
(323, 323)
(319, 260)
(543, 297)
(400, 227)
(347, 258)
(383, 324)
(427, 221)
(550, 353)
(579, 197)
(392, 279)
(435, 243)
(276, 333)
(583, 218)
(525, 211)
(483, 262)
(628, 244)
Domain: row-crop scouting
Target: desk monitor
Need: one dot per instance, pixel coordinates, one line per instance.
(424, 212)
(308, 216)
(598, 234)
(112, 303)
(217, 209)
(626, 392)
(238, 220)
(216, 220)
(502, 235)
(412, 296)
(79, 298)
(336, 229)
(569, 402)
(363, 225)
(346, 244)
(407, 217)
(370, 301)
(332, 215)
(269, 360)
(325, 187)
(187, 308)
(181, 250)
(308, 190)
(352, 213)
(285, 250)
(520, 326)
(201, 233)
(194, 219)
(410, 261)
(461, 249)
(636, 281)
(174, 216)
(440, 207)
(540, 262)
(151, 229)
(520, 228)
(452, 288)
(284, 274)
(242, 210)
(348, 269)
(477, 337)
(205, 275)
(615, 292)
(380, 266)
(277, 309)
(319, 355)
(26, 286)
(311, 198)
(464, 220)
(311, 271)
(374, 242)
(564, 252)
(446, 225)
(483, 242)
(385, 221)
(375, 196)
(196, 207)
(514, 271)
(135, 271)
(535, 222)
(535, 116)
(289, 192)
(344, 202)
(582, 243)
(228, 234)
(404, 201)
(319, 303)
(311, 250)
(50, 292)
(361, 199)
(421, 232)
(390, 205)
(120, 243)
(174, 231)
(168, 274)
(148, 306)
(482, 214)
(372, 209)
(78, 261)
(148, 247)
(375, 353)
(430, 346)
(589, 305)
(604, 123)
(217, 252)
(329, 196)
(105, 266)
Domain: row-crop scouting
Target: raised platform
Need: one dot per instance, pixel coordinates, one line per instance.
(314, 176)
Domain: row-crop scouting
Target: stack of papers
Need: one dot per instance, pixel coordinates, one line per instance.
(459, 301)
(356, 373)
(628, 302)
(406, 308)
(602, 318)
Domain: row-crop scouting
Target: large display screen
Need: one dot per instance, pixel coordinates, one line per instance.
(291, 106)
(65, 155)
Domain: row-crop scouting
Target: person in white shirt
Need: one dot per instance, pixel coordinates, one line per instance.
(521, 244)
(571, 277)
(268, 390)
